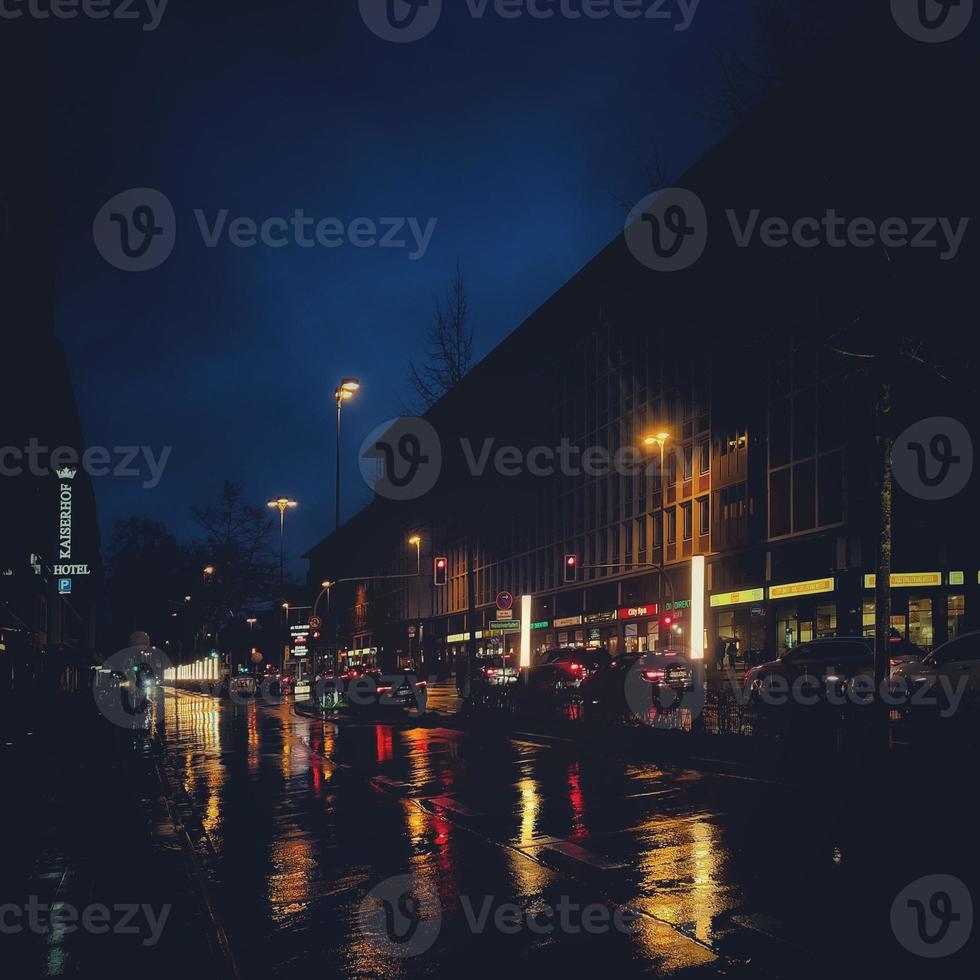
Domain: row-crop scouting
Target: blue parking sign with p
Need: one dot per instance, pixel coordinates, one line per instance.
(64, 586)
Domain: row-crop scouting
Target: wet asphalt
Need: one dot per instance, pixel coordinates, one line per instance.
(417, 847)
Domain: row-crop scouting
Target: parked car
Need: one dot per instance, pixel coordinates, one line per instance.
(578, 663)
(633, 684)
(820, 667)
(951, 666)
(498, 670)
(375, 691)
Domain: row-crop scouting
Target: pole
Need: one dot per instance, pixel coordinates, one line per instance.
(337, 494)
(884, 562)
(282, 531)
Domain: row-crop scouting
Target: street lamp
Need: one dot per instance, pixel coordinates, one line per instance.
(417, 541)
(660, 439)
(282, 504)
(208, 571)
(345, 392)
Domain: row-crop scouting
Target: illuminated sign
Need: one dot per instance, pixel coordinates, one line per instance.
(600, 617)
(569, 621)
(955, 578)
(543, 625)
(736, 598)
(462, 637)
(637, 612)
(907, 580)
(61, 570)
(64, 586)
(793, 589)
(505, 625)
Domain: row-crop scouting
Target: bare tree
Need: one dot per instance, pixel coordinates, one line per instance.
(449, 346)
(239, 544)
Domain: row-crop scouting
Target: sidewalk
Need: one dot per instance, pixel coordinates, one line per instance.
(86, 826)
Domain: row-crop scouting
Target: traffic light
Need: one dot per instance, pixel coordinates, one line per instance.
(440, 571)
(666, 621)
(571, 569)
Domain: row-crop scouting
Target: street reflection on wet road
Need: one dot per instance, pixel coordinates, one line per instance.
(306, 816)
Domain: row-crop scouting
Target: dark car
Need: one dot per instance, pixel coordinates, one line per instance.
(807, 674)
(577, 664)
(635, 684)
(375, 691)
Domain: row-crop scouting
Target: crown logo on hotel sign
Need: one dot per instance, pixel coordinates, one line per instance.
(67, 472)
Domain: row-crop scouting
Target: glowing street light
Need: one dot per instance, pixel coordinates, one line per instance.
(344, 393)
(660, 439)
(282, 504)
(417, 541)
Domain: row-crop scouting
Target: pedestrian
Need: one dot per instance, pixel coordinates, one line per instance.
(720, 654)
(732, 652)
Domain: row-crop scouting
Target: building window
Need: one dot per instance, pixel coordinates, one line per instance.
(688, 462)
(686, 514)
(704, 453)
(672, 470)
(671, 525)
(704, 515)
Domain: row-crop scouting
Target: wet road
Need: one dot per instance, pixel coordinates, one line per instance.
(684, 873)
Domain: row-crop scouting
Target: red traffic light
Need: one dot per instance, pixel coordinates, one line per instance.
(571, 568)
(440, 569)
(666, 619)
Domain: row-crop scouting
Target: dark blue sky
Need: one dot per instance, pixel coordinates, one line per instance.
(521, 137)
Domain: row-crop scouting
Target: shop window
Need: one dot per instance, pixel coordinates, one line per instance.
(671, 525)
(920, 622)
(704, 515)
(826, 620)
(687, 520)
(956, 615)
(868, 618)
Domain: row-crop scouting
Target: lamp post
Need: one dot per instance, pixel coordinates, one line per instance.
(659, 439)
(417, 541)
(345, 392)
(282, 504)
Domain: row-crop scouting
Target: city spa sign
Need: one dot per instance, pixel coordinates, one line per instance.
(64, 568)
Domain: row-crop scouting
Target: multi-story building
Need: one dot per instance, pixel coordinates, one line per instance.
(775, 369)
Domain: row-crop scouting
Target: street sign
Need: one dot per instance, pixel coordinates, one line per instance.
(64, 586)
(505, 614)
(506, 625)
(315, 622)
(505, 600)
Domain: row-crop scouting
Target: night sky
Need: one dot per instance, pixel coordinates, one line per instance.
(524, 138)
